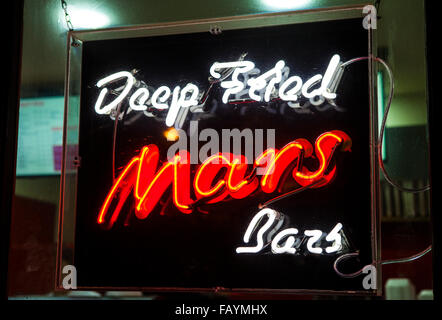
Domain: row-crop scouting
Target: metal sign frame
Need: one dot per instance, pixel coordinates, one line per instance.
(75, 40)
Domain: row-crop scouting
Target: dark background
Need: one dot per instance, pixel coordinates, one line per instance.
(198, 250)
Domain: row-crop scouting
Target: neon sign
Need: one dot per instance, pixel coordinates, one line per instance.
(147, 184)
(272, 84)
(290, 245)
(185, 156)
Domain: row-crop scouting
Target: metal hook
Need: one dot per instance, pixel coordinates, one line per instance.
(215, 30)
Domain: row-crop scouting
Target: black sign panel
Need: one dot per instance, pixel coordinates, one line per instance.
(189, 233)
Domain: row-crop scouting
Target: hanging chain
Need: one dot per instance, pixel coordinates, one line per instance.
(67, 17)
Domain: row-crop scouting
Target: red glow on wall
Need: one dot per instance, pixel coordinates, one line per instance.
(219, 177)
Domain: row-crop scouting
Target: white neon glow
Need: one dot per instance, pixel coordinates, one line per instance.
(317, 100)
(314, 235)
(174, 107)
(181, 102)
(286, 4)
(284, 241)
(274, 230)
(328, 77)
(288, 245)
(310, 83)
(234, 86)
(193, 100)
(326, 81)
(243, 94)
(335, 237)
(86, 18)
(113, 77)
(142, 95)
(271, 84)
(162, 94)
(271, 214)
(291, 94)
(260, 82)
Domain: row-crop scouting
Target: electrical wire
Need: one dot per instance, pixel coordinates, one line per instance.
(114, 141)
(386, 175)
(409, 259)
(383, 125)
(289, 194)
(345, 257)
(384, 262)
